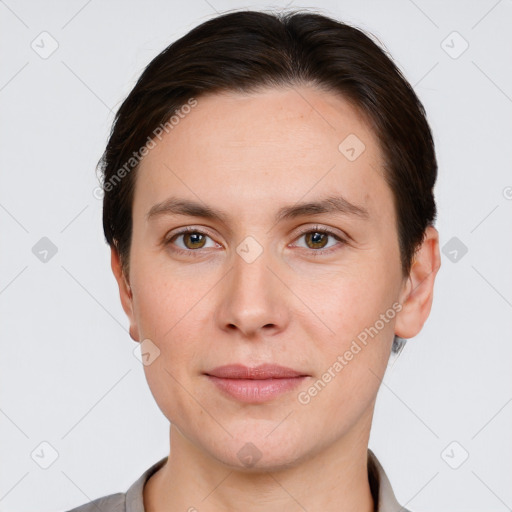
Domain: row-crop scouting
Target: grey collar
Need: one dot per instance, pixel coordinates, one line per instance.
(380, 486)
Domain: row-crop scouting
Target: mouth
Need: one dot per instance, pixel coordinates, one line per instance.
(261, 372)
(255, 384)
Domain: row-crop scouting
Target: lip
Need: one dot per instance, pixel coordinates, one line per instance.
(255, 384)
(263, 371)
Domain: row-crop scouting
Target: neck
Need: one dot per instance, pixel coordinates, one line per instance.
(335, 479)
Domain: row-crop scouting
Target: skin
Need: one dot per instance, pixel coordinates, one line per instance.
(249, 155)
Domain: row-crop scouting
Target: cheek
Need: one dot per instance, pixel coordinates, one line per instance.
(163, 297)
(348, 303)
(166, 312)
(173, 308)
(353, 359)
(358, 309)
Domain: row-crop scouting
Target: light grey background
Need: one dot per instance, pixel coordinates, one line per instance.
(68, 373)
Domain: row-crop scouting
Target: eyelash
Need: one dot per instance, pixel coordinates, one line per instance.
(314, 229)
(325, 231)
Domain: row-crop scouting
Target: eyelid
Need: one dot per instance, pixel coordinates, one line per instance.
(342, 238)
(187, 229)
(323, 229)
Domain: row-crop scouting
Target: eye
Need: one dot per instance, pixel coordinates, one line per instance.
(191, 239)
(317, 239)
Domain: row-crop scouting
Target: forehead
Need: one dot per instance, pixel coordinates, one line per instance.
(258, 151)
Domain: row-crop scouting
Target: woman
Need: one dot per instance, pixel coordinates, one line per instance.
(269, 207)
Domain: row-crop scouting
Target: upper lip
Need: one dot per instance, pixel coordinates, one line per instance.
(263, 371)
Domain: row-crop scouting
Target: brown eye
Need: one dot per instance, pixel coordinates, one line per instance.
(190, 240)
(316, 239)
(320, 241)
(194, 240)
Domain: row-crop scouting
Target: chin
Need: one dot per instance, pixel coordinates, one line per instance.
(256, 450)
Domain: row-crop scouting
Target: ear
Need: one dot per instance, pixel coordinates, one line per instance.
(125, 292)
(418, 290)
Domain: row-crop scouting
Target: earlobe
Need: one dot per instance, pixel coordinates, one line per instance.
(418, 292)
(125, 292)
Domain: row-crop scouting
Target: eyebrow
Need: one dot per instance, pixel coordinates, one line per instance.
(333, 204)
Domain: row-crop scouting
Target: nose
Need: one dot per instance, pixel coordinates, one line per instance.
(253, 300)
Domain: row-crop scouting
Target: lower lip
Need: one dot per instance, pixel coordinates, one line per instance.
(256, 391)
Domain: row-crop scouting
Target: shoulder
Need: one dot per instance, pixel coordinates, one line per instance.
(111, 503)
(132, 500)
(381, 488)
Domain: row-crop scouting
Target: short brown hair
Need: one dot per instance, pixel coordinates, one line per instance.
(248, 50)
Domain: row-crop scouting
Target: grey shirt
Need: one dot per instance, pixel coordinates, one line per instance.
(132, 499)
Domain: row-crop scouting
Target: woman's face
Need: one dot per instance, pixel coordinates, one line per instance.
(263, 284)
